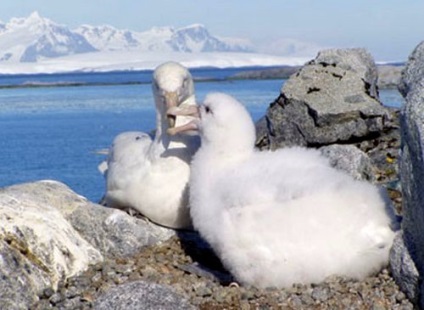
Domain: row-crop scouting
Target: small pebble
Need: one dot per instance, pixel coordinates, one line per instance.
(71, 292)
(48, 292)
(73, 303)
(56, 298)
(320, 294)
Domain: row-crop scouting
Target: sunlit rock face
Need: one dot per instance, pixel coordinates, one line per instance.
(49, 233)
(38, 246)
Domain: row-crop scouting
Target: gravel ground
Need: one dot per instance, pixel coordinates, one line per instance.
(170, 264)
(176, 263)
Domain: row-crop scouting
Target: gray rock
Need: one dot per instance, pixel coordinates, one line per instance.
(262, 133)
(30, 224)
(403, 269)
(38, 248)
(389, 76)
(356, 60)
(350, 159)
(141, 295)
(412, 159)
(48, 233)
(332, 99)
(113, 232)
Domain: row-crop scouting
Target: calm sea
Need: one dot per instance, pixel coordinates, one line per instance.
(54, 132)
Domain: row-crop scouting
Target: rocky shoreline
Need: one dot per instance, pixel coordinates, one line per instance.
(69, 253)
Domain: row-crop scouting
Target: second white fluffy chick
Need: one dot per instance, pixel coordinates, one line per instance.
(283, 217)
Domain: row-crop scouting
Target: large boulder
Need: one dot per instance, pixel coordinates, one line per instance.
(38, 247)
(111, 231)
(332, 99)
(49, 233)
(412, 170)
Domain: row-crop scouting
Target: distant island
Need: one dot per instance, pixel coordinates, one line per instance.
(388, 74)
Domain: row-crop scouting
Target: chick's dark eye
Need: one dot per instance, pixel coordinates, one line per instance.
(207, 109)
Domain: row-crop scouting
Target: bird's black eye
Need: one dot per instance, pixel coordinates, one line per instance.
(207, 109)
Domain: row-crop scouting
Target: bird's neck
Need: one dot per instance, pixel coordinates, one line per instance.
(222, 156)
(208, 166)
(164, 142)
(226, 145)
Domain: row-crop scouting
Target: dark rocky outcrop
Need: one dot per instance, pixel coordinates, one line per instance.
(332, 99)
(412, 177)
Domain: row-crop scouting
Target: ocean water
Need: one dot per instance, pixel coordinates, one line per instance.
(56, 132)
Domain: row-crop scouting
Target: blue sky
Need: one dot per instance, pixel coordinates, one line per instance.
(389, 29)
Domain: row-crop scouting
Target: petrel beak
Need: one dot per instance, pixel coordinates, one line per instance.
(171, 101)
(185, 111)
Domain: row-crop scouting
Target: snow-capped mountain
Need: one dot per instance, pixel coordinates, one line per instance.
(33, 38)
(38, 45)
(156, 39)
(196, 38)
(108, 38)
(191, 39)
